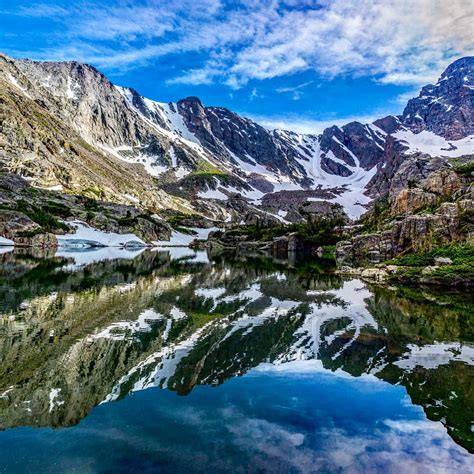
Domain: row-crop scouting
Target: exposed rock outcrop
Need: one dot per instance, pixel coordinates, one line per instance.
(442, 222)
(30, 216)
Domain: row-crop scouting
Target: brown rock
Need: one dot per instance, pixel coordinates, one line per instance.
(408, 201)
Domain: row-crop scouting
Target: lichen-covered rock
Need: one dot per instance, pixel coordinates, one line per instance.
(14, 223)
(443, 182)
(408, 201)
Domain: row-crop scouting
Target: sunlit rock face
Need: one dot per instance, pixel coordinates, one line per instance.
(74, 336)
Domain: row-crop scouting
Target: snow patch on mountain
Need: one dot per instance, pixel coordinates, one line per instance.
(14, 81)
(179, 239)
(130, 155)
(212, 194)
(434, 145)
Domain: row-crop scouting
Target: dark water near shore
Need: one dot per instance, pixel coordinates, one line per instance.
(172, 362)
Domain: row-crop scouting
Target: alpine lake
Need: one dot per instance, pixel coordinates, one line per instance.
(172, 360)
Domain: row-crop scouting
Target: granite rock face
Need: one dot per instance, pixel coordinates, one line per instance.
(448, 204)
(14, 222)
(408, 201)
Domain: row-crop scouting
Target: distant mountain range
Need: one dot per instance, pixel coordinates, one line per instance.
(65, 126)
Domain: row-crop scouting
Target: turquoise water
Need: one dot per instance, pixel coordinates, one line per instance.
(162, 364)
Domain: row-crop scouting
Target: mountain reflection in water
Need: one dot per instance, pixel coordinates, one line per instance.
(75, 333)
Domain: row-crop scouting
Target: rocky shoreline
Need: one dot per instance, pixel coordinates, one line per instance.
(386, 274)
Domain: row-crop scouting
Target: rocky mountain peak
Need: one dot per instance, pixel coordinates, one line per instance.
(389, 124)
(458, 70)
(445, 108)
(194, 114)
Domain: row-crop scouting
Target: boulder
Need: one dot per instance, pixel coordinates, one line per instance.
(13, 182)
(13, 223)
(438, 261)
(44, 241)
(377, 274)
(428, 270)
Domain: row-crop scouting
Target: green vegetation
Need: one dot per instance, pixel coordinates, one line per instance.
(42, 216)
(85, 145)
(466, 221)
(461, 270)
(177, 219)
(94, 191)
(375, 219)
(320, 231)
(463, 168)
(460, 254)
(205, 172)
(57, 209)
(131, 221)
(206, 168)
(185, 230)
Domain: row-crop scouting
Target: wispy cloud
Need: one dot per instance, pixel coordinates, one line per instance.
(394, 41)
(295, 91)
(42, 10)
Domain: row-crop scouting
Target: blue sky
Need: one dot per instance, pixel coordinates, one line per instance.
(298, 64)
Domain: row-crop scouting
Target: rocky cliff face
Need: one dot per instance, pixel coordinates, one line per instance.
(446, 108)
(436, 210)
(66, 125)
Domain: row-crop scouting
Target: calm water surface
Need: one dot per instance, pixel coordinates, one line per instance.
(171, 361)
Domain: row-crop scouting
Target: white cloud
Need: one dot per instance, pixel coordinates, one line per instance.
(296, 92)
(403, 98)
(294, 88)
(395, 41)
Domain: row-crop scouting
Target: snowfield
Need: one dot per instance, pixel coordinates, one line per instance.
(86, 236)
(434, 145)
(5, 242)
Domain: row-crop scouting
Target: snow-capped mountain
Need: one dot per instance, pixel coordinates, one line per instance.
(66, 125)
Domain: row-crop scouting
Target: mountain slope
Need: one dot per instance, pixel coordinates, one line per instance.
(64, 124)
